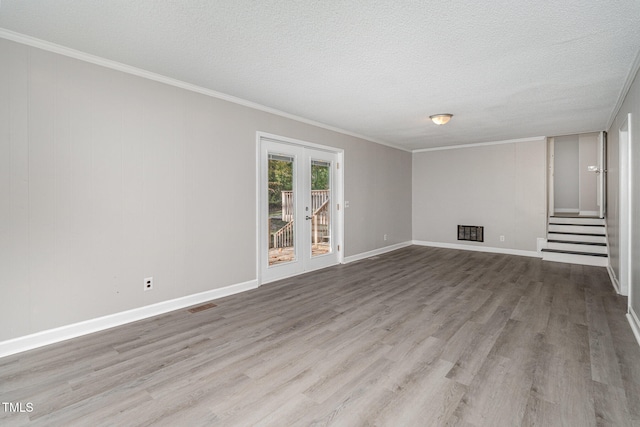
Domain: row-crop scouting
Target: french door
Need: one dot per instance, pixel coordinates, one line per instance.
(299, 209)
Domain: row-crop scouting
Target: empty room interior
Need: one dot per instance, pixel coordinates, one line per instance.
(285, 213)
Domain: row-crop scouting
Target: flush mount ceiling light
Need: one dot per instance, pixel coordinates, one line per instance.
(441, 119)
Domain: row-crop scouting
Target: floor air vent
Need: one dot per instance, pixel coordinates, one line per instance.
(474, 233)
(201, 307)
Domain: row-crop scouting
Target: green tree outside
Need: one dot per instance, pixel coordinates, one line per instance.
(281, 179)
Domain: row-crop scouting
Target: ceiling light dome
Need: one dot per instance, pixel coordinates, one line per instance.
(441, 119)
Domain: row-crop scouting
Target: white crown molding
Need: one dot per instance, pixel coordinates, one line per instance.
(480, 144)
(51, 336)
(635, 67)
(375, 252)
(489, 249)
(118, 66)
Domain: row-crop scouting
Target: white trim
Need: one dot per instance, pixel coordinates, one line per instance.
(288, 276)
(612, 276)
(114, 65)
(631, 226)
(338, 235)
(375, 252)
(570, 258)
(541, 243)
(489, 249)
(481, 144)
(51, 336)
(567, 210)
(602, 182)
(625, 205)
(340, 224)
(635, 66)
(635, 323)
(581, 133)
(550, 176)
(590, 213)
(306, 144)
(259, 173)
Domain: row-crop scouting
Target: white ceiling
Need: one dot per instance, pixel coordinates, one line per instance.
(506, 69)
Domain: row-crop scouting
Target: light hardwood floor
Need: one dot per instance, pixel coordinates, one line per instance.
(420, 336)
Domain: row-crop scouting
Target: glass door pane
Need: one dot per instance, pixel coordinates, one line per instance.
(281, 209)
(297, 209)
(320, 215)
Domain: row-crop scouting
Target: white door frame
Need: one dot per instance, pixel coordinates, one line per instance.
(337, 233)
(602, 175)
(624, 143)
(550, 178)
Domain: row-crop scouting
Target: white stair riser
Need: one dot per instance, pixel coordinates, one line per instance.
(576, 229)
(576, 259)
(561, 220)
(589, 230)
(577, 248)
(577, 238)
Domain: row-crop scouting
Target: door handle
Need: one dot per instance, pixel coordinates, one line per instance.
(308, 217)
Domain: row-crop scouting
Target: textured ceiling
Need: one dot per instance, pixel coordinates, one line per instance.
(506, 69)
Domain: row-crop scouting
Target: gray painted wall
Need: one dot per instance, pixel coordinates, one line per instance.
(588, 153)
(613, 199)
(107, 178)
(631, 105)
(501, 187)
(566, 183)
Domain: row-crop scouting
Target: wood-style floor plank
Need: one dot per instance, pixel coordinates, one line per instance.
(419, 336)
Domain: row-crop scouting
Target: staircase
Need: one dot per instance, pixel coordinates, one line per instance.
(283, 238)
(576, 240)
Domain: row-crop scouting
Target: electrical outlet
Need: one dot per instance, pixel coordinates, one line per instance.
(502, 238)
(385, 237)
(148, 283)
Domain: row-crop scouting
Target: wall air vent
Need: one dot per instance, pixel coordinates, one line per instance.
(474, 233)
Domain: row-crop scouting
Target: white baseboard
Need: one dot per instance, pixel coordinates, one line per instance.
(51, 336)
(589, 213)
(570, 258)
(375, 252)
(541, 243)
(635, 323)
(612, 274)
(614, 279)
(489, 249)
